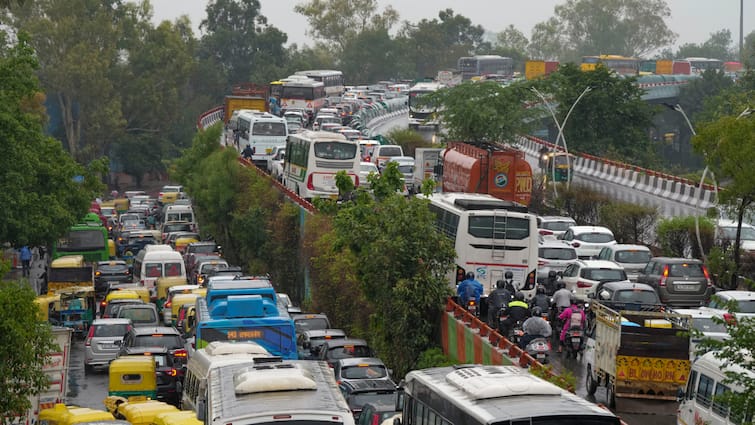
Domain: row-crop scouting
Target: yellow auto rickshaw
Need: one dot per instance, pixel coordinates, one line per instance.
(182, 242)
(163, 284)
(187, 417)
(140, 291)
(144, 413)
(121, 205)
(169, 198)
(47, 305)
(178, 301)
(132, 378)
(61, 414)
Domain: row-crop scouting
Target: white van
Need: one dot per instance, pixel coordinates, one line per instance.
(156, 261)
(179, 213)
(385, 152)
(217, 353)
(705, 382)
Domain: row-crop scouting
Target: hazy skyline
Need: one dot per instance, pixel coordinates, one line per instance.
(692, 20)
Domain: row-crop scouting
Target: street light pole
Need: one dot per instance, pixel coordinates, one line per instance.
(560, 136)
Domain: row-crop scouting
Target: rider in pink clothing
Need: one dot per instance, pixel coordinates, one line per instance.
(568, 322)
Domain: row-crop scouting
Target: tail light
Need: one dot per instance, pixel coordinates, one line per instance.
(545, 232)
(90, 335)
(103, 304)
(531, 280)
(172, 372)
(707, 276)
(97, 273)
(166, 305)
(575, 244)
(541, 263)
(730, 319)
(180, 352)
(356, 181)
(471, 302)
(583, 284)
(664, 276)
(310, 185)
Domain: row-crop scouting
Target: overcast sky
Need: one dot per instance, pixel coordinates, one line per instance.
(692, 20)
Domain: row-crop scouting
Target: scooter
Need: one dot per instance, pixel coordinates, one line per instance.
(472, 306)
(574, 341)
(516, 332)
(539, 349)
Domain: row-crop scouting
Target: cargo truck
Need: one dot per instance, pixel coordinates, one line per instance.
(56, 369)
(497, 170)
(246, 96)
(638, 354)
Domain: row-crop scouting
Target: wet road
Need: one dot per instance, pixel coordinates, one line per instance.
(85, 390)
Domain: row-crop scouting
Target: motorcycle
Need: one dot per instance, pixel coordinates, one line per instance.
(574, 341)
(539, 349)
(472, 306)
(516, 333)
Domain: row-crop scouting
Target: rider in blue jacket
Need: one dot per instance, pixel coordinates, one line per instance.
(469, 287)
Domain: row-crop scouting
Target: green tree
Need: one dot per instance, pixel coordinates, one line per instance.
(241, 42)
(593, 27)
(609, 121)
(717, 46)
(370, 56)
(547, 42)
(340, 21)
(437, 44)
(401, 268)
(748, 54)
(511, 38)
(40, 195)
(25, 341)
(630, 223)
(677, 236)
(483, 112)
(728, 146)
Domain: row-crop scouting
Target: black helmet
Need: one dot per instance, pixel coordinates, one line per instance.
(540, 289)
(519, 296)
(552, 274)
(537, 312)
(572, 299)
(470, 275)
(499, 284)
(509, 275)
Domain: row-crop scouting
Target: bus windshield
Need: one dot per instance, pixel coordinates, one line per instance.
(292, 92)
(77, 240)
(335, 150)
(269, 129)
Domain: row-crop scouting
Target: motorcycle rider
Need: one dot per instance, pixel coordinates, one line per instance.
(498, 298)
(573, 317)
(519, 311)
(247, 152)
(534, 327)
(540, 299)
(468, 288)
(561, 298)
(509, 282)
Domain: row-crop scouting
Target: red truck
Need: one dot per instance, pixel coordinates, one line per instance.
(498, 170)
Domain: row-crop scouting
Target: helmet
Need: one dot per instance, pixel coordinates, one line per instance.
(508, 275)
(537, 312)
(519, 296)
(572, 299)
(469, 275)
(540, 289)
(499, 284)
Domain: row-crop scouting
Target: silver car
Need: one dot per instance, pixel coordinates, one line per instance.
(103, 342)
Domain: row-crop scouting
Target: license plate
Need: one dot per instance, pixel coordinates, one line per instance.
(575, 339)
(137, 398)
(687, 287)
(268, 150)
(541, 356)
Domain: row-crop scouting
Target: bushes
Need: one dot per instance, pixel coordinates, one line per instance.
(409, 140)
(677, 236)
(630, 223)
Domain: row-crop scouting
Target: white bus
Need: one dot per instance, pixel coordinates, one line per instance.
(216, 354)
(699, 404)
(262, 131)
(491, 236)
(493, 395)
(304, 94)
(331, 79)
(312, 160)
(421, 115)
(294, 392)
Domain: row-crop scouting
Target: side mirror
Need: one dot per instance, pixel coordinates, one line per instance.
(680, 395)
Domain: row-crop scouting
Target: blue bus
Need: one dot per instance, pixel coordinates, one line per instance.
(247, 318)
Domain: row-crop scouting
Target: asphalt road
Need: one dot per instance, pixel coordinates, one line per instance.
(85, 390)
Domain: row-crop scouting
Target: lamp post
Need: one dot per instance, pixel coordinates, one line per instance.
(678, 108)
(560, 136)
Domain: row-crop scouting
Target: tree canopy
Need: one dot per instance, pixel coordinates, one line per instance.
(25, 341)
(594, 27)
(42, 195)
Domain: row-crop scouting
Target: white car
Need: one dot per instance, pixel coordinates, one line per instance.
(275, 163)
(553, 256)
(583, 276)
(726, 232)
(633, 258)
(744, 301)
(708, 323)
(554, 226)
(365, 168)
(588, 240)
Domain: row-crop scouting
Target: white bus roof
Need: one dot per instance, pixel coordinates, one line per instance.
(426, 87)
(305, 82)
(321, 136)
(473, 201)
(319, 72)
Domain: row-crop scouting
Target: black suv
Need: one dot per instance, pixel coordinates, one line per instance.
(169, 375)
(360, 392)
(157, 336)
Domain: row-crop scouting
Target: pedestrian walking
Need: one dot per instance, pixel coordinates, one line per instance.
(25, 257)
